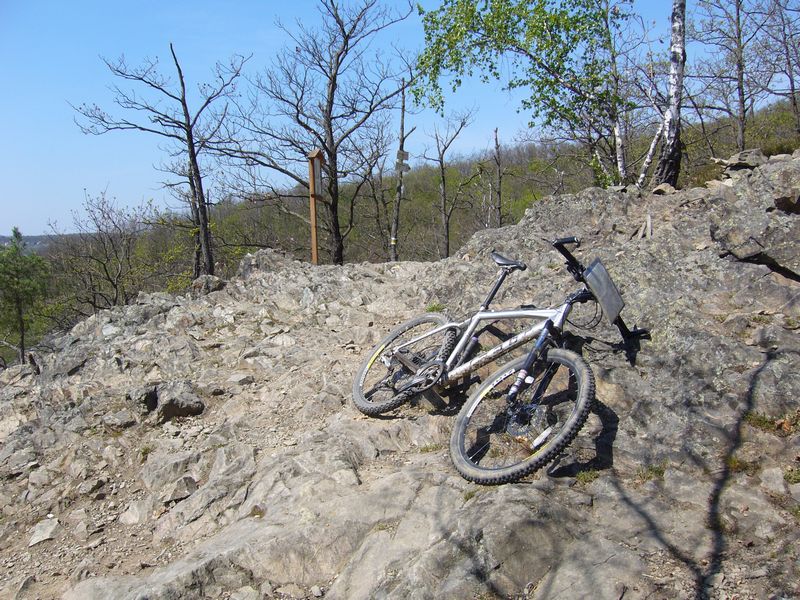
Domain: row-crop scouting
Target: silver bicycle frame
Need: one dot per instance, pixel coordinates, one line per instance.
(557, 315)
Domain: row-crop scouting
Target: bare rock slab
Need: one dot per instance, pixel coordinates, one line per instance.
(44, 530)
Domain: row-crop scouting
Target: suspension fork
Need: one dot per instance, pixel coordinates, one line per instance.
(548, 332)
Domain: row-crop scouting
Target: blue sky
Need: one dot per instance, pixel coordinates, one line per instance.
(49, 59)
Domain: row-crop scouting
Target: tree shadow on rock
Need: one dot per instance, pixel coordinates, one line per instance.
(706, 570)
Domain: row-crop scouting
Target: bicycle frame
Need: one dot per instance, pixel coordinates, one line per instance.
(468, 327)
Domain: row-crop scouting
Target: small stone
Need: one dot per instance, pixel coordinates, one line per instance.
(91, 485)
(177, 399)
(184, 487)
(292, 590)
(83, 530)
(137, 512)
(95, 543)
(756, 573)
(120, 419)
(794, 490)
(24, 586)
(44, 530)
(111, 330)
(82, 571)
(245, 593)
(241, 379)
(746, 159)
(772, 480)
(663, 189)
(317, 591)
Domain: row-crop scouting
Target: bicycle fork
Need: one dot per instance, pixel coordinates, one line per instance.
(533, 355)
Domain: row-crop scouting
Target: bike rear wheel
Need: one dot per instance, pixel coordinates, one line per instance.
(379, 382)
(495, 443)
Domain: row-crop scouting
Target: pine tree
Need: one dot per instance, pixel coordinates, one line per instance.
(23, 282)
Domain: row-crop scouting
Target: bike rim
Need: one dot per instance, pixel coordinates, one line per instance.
(492, 442)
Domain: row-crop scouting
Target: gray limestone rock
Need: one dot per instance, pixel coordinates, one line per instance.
(278, 485)
(177, 399)
(45, 530)
(180, 489)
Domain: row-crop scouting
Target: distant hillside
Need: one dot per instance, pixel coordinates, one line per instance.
(35, 243)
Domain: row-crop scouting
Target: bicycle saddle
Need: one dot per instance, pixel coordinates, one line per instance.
(507, 263)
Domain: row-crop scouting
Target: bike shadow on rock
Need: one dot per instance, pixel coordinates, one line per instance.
(603, 458)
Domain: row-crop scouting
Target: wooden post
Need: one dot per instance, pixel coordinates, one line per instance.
(315, 161)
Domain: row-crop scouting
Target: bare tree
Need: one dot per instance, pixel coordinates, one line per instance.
(401, 165)
(732, 77)
(160, 106)
(374, 155)
(782, 43)
(324, 90)
(451, 189)
(499, 172)
(96, 265)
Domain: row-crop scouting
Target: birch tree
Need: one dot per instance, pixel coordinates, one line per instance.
(569, 54)
(669, 162)
(400, 167)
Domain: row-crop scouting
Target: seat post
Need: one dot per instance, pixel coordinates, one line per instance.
(500, 279)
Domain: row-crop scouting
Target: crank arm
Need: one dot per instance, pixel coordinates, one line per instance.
(404, 359)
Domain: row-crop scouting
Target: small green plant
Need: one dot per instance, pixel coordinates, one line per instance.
(780, 146)
(469, 495)
(651, 472)
(389, 526)
(257, 511)
(795, 511)
(144, 453)
(782, 426)
(435, 307)
(739, 465)
(431, 448)
(587, 477)
(759, 421)
(760, 319)
(792, 476)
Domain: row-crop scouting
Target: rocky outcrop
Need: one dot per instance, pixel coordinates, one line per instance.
(204, 446)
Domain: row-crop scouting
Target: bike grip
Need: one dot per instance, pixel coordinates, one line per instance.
(567, 240)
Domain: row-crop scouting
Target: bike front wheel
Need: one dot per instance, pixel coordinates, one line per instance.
(380, 382)
(496, 441)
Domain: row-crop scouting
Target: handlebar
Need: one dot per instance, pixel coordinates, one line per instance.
(629, 335)
(574, 266)
(576, 269)
(568, 240)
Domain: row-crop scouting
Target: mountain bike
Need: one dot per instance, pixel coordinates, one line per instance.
(528, 411)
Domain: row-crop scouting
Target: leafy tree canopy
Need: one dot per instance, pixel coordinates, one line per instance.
(562, 50)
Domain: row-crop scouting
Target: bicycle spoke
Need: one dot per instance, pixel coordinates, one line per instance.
(499, 435)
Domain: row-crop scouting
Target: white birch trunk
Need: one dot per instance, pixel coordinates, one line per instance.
(670, 159)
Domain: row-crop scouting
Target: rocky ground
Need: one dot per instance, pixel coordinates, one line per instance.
(204, 446)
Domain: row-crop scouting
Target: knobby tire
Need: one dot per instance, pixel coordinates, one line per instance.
(375, 385)
(489, 446)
